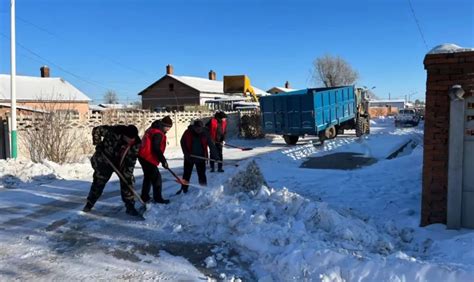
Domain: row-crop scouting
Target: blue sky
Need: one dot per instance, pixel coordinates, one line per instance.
(125, 45)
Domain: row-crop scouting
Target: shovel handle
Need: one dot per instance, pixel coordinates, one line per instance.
(120, 175)
(237, 147)
(208, 159)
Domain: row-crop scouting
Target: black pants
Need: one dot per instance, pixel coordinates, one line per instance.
(102, 174)
(188, 170)
(220, 157)
(151, 177)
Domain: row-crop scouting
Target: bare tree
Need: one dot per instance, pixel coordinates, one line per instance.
(333, 71)
(110, 97)
(50, 135)
(136, 104)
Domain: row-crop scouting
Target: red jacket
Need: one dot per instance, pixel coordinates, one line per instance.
(146, 150)
(213, 128)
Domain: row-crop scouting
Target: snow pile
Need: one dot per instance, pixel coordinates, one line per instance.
(289, 237)
(248, 179)
(15, 172)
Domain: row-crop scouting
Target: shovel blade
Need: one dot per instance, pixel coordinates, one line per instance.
(182, 181)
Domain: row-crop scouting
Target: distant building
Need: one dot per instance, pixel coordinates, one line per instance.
(276, 90)
(386, 107)
(175, 92)
(43, 93)
(399, 104)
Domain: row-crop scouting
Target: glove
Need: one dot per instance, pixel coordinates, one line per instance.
(223, 142)
(165, 165)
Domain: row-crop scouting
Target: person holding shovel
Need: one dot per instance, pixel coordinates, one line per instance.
(217, 129)
(151, 155)
(195, 142)
(116, 150)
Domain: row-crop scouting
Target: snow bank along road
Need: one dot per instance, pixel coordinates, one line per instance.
(306, 224)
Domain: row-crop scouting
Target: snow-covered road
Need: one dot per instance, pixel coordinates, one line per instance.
(313, 224)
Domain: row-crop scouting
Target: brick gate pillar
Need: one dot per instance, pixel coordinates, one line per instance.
(446, 65)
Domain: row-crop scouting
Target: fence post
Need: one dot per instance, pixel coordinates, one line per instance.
(176, 128)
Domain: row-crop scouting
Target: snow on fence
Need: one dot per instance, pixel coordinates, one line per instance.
(80, 127)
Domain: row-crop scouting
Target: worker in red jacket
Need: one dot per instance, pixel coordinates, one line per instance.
(195, 142)
(150, 155)
(217, 129)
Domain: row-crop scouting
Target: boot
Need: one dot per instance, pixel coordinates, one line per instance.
(162, 201)
(132, 211)
(220, 170)
(87, 207)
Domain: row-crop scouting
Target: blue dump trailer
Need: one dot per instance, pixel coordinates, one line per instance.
(324, 112)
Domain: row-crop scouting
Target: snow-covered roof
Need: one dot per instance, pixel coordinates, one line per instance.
(30, 88)
(115, 106)
(207, 85)
(96, 108)
(282, 89)
(8, 105)
(449, 48)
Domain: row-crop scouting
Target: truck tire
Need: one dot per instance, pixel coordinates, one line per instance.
(340, 131)
(330, 132)
(290, 139)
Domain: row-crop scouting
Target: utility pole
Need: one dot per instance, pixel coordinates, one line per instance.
(13, 82)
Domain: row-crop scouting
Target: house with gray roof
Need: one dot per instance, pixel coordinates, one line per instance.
(44, 93)
(174, 92)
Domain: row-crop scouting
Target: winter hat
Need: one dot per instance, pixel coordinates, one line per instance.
(198, 123)
(166, 121)
(220, 115)
(130, 131)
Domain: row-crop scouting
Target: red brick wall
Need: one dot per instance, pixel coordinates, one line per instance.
(443, 71)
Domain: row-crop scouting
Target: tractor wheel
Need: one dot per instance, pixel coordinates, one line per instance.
(367, 126)
(290, 139)
(359, 127)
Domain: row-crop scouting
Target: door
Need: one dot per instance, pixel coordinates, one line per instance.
(467, 217)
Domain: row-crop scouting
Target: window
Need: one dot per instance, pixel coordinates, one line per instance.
(171, 86)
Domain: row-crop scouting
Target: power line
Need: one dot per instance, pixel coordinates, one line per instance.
(58, 66)
(418, 24)
(122, 65)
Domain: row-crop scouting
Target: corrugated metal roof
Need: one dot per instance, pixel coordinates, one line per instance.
(30, 88)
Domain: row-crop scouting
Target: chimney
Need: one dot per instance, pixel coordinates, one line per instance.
(44, 71)
(212, 75)
(169, 69)
(287, 84)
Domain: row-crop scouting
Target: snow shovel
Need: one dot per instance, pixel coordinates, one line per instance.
(237, 147)
(143, 208)
(208, 159)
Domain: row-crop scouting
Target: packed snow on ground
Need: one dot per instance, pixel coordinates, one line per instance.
(266, 219)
